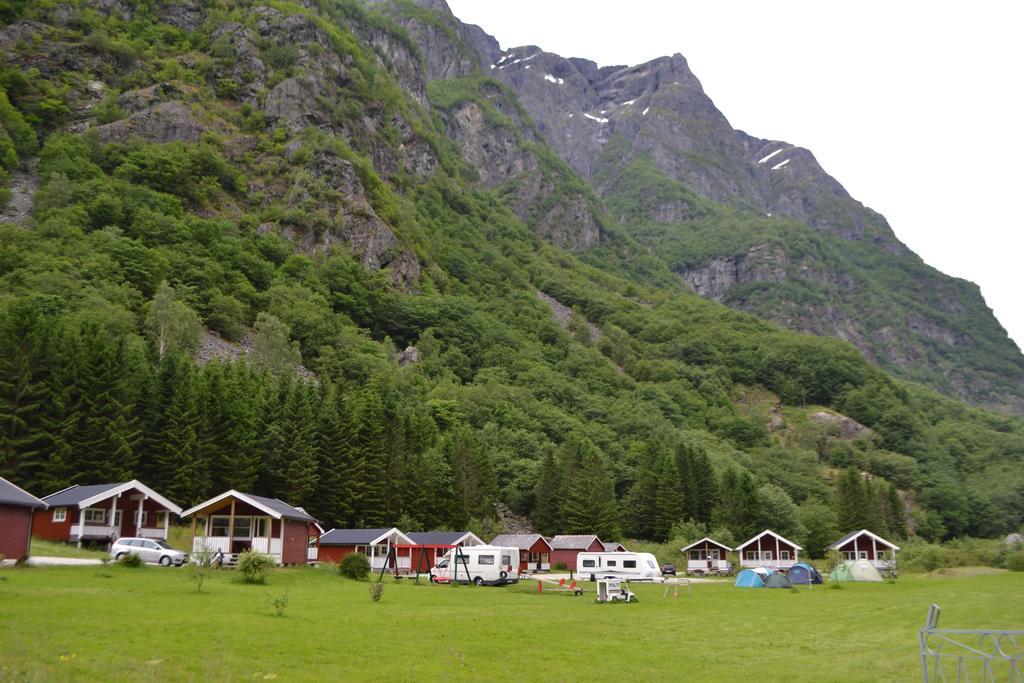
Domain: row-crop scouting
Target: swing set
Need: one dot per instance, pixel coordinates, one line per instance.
(423, 562)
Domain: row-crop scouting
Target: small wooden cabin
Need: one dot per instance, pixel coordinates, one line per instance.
(234, 522)
(613, 547)
(768, 549)
(865, 545)
(707, 556)
(101, 513)
(565, 548)
(376, 544)
(16, 508)
(534, 550)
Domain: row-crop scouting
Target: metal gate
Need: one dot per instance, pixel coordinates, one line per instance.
(964, 655)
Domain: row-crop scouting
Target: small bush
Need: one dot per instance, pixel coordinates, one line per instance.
(836, 586)
(279, 604)
(376, 591)
(354, 566)
(1015, 562)
(130, 560)
(200, 567)
(561, 566)
(254, 566)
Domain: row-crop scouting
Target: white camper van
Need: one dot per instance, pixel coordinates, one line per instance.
(484, 565)
(630, 566)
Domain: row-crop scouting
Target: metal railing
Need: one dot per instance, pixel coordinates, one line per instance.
(963, 655)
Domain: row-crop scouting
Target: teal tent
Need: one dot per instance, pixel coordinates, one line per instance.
(748, 578)
(777, 580)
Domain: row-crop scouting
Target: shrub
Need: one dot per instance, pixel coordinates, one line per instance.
(199, 567)
(354, 566)
(130, 560)
(376, 591)
(561, 566)
(279, 603)
(1015, 561)
(254, 566)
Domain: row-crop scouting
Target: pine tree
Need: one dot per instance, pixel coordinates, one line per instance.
(897, 518)
(363, 419)
(298, 459)
(851, 502)
(476, 487)
(546, 519)
(588, 497)
(700, 488)
(738, 509)
(25, 395)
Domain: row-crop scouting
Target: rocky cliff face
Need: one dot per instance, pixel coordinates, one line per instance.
(860, 283)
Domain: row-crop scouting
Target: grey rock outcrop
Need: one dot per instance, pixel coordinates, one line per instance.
(164, 122)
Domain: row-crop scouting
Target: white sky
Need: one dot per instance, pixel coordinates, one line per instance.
(917, 108)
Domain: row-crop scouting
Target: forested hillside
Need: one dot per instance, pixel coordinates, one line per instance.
(238, 216)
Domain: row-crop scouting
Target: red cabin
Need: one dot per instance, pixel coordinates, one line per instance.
(16, 507)
(768, 549)
(376, 544)
(234, 522)
(613, 547)
(865, 545)
(101, 513)
(707, 556)
(534, 550)
(565, 548)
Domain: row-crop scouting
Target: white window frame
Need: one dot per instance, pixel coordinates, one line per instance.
(712, 554)
(850, 554)
(117, 519)
(135, 518)
(89, 514)
(60, 514)
(783, 555)
(766, 555)
(213, 523)
(862, 554)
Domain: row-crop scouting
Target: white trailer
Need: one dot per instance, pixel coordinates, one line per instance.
(629, 566)
(484, 565)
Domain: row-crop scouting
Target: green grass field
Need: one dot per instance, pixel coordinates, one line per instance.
(42, 548)
(112, 622)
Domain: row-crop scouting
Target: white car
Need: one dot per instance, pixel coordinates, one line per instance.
(151, 551)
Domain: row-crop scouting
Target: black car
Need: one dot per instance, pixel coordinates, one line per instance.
(668, 569)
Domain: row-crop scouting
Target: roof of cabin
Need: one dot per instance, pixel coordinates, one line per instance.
(11, 494)
(573, 542)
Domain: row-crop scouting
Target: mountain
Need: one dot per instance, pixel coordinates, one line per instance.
(780, 237)
(318, 251)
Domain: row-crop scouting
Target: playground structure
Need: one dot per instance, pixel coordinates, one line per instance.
(673, 586)
(982, 655)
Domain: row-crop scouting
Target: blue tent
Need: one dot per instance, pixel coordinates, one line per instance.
(803, 573)
(748, 578)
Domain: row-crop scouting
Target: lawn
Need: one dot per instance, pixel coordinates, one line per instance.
(41, 548)
(113, 622)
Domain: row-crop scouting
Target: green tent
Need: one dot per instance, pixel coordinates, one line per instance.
(861, 570)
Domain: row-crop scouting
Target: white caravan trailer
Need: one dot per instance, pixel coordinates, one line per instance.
(629, 566)
(484, 565)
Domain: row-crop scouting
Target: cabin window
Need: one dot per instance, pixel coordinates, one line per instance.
(145, 518)
(713, 554)
(849, 555)
(243, 527)
(60, 514)
(751, 554)
(95, 516)
(766, 555)
(783, 554)
(589, 563)
(485, 559)
(260, 527)
(629, 564)
(219, 526)
(611, 563)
